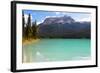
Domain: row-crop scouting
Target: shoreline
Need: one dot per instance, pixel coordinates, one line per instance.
(29, 41)
(32, 40)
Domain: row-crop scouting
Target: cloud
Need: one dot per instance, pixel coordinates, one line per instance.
(64, 13)
(84, 19)
(60, 13)
(26, 17)
(57, 13)
(49, 16)
(39, 22)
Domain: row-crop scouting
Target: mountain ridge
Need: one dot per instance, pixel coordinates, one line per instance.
(63, 27)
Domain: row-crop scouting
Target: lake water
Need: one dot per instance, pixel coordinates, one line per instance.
(57, 50)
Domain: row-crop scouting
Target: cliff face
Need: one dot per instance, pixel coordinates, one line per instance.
(58, 20)
(63, 27)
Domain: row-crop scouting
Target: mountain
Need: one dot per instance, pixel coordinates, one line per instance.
(58, 20)
(63, 27)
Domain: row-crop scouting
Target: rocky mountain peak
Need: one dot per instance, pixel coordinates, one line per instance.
(58, 20)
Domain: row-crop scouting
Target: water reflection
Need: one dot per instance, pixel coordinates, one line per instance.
(57, 50)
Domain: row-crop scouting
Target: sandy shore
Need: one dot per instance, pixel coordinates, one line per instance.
(29, 41)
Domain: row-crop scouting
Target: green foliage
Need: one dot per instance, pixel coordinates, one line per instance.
(30, 30)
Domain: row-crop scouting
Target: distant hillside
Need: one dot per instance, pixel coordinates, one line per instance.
(63, 27)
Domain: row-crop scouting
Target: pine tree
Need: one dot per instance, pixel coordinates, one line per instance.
(34, 29)
(28, 28)
(23, 23)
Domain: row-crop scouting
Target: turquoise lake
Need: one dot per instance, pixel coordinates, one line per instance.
(47, 50)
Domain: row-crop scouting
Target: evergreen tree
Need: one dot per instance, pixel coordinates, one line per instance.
(29, 29)
(34, 29)
(23, 23)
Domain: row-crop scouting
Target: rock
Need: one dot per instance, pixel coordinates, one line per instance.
(58, 20)
(63, 27)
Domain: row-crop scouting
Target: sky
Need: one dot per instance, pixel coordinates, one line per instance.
(40, 16)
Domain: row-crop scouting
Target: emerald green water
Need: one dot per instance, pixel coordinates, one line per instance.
(57, 50)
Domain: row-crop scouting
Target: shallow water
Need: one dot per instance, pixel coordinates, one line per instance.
(57, 50)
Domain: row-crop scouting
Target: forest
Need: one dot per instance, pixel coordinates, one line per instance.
(29, 29)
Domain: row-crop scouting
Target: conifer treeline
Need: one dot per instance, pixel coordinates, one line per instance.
(29, 29)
